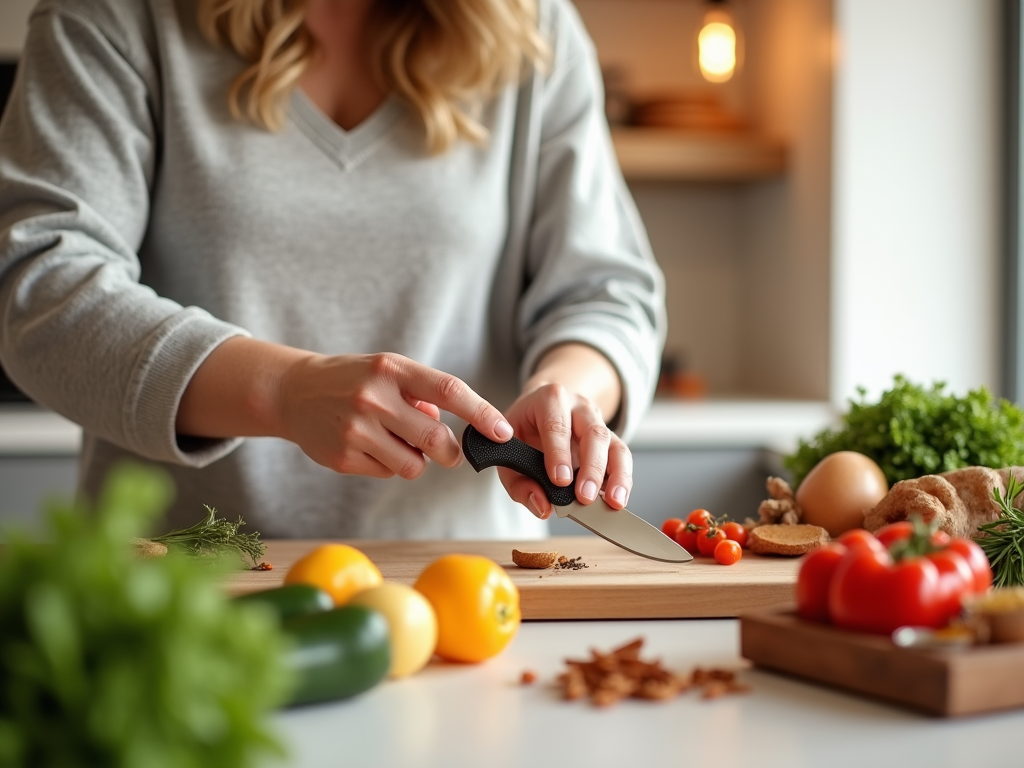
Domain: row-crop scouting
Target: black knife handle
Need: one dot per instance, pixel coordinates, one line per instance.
(483, 452)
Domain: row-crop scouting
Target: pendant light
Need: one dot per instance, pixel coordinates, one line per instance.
(718, 43)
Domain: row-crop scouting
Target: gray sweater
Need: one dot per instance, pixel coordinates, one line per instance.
(141, 226)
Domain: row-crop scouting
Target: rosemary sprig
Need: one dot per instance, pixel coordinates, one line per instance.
(215, 536)
(1003, 539)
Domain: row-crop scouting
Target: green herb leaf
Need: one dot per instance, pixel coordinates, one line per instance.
(114, 660)
(214, 536)
(1002, 539)
(913, 431)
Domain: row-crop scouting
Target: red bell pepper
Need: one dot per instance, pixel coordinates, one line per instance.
(907, 575)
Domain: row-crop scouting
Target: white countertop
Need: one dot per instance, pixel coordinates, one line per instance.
(479, 716)
(31, 430)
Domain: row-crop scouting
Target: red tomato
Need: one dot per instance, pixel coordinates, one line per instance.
(686, 537)
(859, 537)
(813, 580)
(977, 560)
(728, 552)
(902, 530)
(700, 517)
(735, 532)
(670, 526)
(707, 540)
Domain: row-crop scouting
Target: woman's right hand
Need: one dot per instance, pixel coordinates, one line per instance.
(375, 415)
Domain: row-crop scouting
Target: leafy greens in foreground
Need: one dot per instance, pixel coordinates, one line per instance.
(913, 431)
(108, 659)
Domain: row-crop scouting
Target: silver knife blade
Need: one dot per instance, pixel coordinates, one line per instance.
(624, 529)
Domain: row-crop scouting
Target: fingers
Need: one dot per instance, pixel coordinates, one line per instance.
(363, 464)
(594, 441)
(415, 420)
(553, 418)
(568, 425)
(620, 475)
(428, 435)
(428, 408)
(451, 394)
(527, 492)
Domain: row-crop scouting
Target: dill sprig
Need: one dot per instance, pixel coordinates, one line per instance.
(215, 536)
(1003, 539)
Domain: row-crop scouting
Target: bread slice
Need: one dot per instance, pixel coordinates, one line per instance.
(534, 559)
(789, 540)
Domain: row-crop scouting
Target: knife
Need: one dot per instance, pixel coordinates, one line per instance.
(619, 526)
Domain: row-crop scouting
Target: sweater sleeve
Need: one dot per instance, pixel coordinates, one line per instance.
(592, 277)
(79, 333)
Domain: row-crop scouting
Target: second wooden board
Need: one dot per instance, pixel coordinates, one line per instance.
(938, 682)
(614, 585)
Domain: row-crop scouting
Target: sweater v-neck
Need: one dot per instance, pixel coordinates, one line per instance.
(348, 148)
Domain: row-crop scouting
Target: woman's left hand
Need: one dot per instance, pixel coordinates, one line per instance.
(568, 426)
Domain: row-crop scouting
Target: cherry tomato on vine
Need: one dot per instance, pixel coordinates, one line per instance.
(686, 537)
(735, 532)
(700, 517)
(707, 540)
(670, 526)
(728, 552)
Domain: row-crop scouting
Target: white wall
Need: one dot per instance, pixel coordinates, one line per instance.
(13, 22)
(916, 194)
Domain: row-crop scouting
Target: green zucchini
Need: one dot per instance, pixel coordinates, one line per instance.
(338, 653)
(291, 600)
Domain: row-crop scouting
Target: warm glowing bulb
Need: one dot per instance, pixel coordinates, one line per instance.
(716, 46)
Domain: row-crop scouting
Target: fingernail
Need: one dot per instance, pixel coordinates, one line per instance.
(535, 506)
(619, 494)
(563, 472)
(589, 489)
(503, 430)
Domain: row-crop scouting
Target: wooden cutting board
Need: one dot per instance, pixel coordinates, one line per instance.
(945, 682)
(615, 585)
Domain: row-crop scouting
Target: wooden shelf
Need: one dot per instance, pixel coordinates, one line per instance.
(649, 154)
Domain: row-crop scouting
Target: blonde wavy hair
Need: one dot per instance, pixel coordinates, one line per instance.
(446, 58)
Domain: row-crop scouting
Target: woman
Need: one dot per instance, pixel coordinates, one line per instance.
(352, 226)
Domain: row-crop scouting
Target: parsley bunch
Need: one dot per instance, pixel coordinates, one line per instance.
(113, 660)
(913, 431)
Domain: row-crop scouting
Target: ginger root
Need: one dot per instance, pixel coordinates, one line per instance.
(780, 508)
(957, 501)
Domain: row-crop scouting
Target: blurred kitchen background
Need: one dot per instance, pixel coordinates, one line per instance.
(837, 208)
